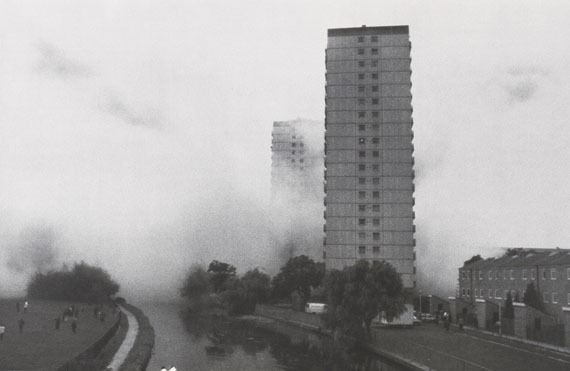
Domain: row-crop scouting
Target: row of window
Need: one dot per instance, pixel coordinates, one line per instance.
(362, 221)
(363, 153)
(374, 140)
(375, 181)
(510, 274)
(496, 294)
(374, 39)
(373, 76)
(373, 51)
(300, 152)
(375, 236)
(300, 160)
(373, 101)
(294, 144)
(363, 63)
(362, 194)
(375, 207)
(362, 249)
(373, 88)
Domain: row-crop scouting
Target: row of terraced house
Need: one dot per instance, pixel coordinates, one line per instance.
(485, 283)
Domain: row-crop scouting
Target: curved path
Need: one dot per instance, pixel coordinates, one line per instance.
(128, 342)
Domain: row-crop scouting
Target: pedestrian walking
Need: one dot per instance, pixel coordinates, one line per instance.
(57, 322)
(446, 320)
(74, 325)
(2, 331)
(21, 324)
(26, 306)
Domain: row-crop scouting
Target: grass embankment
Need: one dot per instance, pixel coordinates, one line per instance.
(40, 345)
(140, 354)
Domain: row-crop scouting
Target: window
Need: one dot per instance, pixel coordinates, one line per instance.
(361, 249)
(374, 153)
(376, 208)
(506, 293)
(468, 292)
(374, 76)
(480, 275)
(545, 297)
(361, 140)
(360, 51)
(504, 274)
(512, 274)
(376, 140)
(361, 101)
(360, 39)
(360, 63)
(497, 294)
(490, 275)
(361, 167)
(361, 207)
(375, 221)
(568, 273)
(375, 114)
(374, 87)
(523, 295)
(375, 101)
(360, 76)
(568, 298)
(374, 51)
(555, 297)
(490, 293)
(475, 292)
(292, 160)
(462, 275)
(553, 273)
(361, 221)
(302, 160)
(374, 64)
(463, 292)
(361, 194)
(376, 249)
(543, 274)
(361, 114)
(375, 181)
(293, 144)
(361, 235)
(533, 274)
(292, 152)
(361, 88)
(361, 127)
(524, 274)
(362, 154)
(376, 194)
(375, 236)
(361, 180)
(375, 167)
(374, 39)
(496, 274)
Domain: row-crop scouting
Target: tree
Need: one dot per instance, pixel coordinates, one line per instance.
(509, 309)
(473, 259)
(220, 274)
(532, 297)
(358, 293)
(252, 288)
(83, 283)
(197, 287)
(300, 273)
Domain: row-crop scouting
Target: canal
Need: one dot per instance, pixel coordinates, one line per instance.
(216, 344)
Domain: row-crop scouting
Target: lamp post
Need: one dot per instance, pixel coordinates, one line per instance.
(420, 292)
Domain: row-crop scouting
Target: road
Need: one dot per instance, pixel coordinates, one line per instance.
(432, 346)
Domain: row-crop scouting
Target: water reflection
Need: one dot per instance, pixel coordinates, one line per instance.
(232, 341)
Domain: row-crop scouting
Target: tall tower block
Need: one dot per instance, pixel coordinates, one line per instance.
(369, 160)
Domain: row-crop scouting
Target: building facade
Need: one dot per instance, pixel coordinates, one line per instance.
(297, 160)
(491, 279)
(369, 176)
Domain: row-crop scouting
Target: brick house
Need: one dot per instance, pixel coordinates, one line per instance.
(491, 279)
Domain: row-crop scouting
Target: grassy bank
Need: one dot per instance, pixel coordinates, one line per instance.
(40, 345)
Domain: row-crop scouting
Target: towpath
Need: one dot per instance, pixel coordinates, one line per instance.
(128, 342)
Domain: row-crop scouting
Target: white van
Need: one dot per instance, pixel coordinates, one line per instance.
(315, 308)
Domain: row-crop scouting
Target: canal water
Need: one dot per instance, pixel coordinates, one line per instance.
(216, 344)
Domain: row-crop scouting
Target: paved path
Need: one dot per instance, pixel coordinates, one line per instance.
(437, 349)
(128, 342)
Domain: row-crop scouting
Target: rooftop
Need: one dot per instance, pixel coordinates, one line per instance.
(524, 257)
(360, 31)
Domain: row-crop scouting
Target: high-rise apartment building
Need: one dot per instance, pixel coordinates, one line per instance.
(297, 160)
(368, 149)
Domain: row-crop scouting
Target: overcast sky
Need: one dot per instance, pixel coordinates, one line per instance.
(136, 134)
